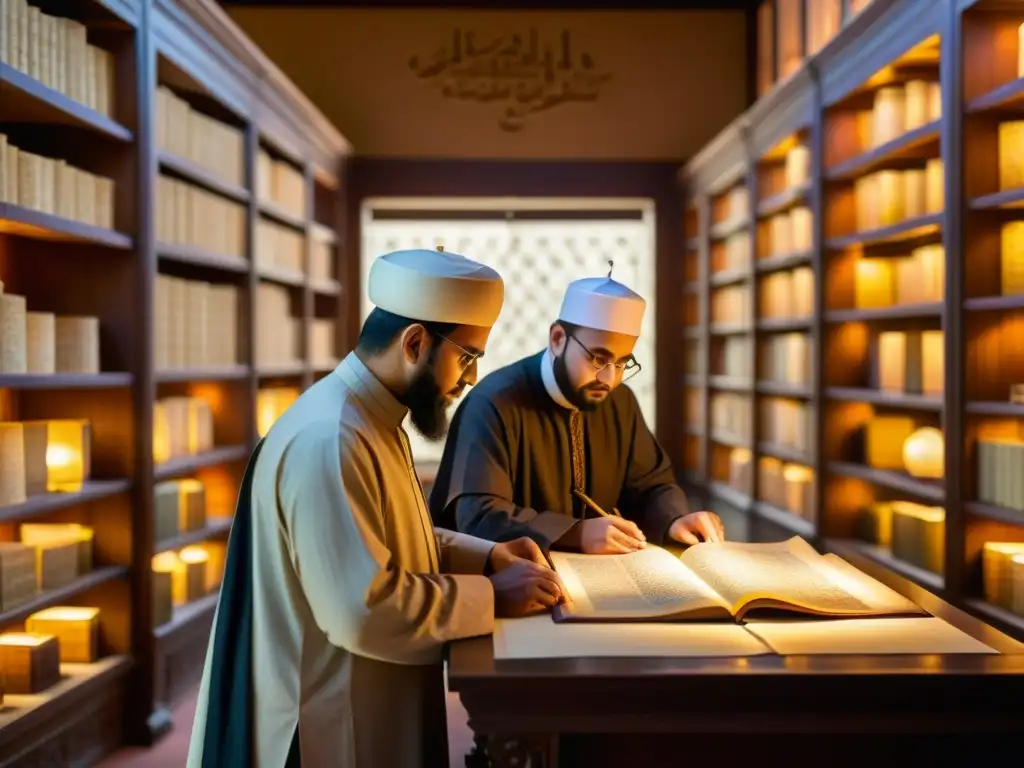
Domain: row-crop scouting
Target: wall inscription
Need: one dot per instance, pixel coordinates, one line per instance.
(524, 74)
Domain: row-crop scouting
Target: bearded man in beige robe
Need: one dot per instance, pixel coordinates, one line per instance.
(338, 594)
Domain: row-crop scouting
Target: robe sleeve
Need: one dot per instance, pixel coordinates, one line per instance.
(461, 553)
(650, 493)
(329, 493)
(480, 485)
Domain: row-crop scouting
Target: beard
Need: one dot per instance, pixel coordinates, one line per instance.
(427, 406)
(577, 396)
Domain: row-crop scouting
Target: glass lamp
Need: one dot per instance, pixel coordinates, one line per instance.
(924, 453)
(67, 455)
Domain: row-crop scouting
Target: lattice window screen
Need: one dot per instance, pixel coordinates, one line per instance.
(537, 259)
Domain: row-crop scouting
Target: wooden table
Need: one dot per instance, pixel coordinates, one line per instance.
(811, 710)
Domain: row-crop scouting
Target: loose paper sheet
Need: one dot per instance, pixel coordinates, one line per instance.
(538, 637)
(875, 637)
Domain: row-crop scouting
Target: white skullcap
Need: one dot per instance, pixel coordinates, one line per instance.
(604, 305)
(436, 286)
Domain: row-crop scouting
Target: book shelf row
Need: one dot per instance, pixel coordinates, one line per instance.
(170, 250)
(853, 300)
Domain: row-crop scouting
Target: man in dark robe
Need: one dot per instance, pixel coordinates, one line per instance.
(554, 448)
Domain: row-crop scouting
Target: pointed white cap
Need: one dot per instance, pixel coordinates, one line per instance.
(604, 305)
(436, 286)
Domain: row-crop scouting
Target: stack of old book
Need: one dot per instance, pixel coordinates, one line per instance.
(55, 51)
(195, 324)
(53, 186)
(182, 426)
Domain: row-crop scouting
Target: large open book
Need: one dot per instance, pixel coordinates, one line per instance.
(719, 581)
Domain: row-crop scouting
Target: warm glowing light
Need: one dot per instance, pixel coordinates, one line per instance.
(933, 366)
(200, 425)
(271, 402)
(892, 361)
(167, 562)
(935, 185)
(1011, 154)
(161, 434)
(919, 511)
(797, 480)
(67, 455)
(889, 112)
(874, 284)
(884, 439)
(23, 639)
(798, 166)
(740, 455)
(42, 533)
(193, 555)
(924, 453)
(1012, 256)
(190, 580)
(66, 613)
(794, 473)
(1020, 51)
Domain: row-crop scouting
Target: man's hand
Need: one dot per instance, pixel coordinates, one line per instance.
(523, 588)
(507, 553)
(522, 579)
(610, 536)
(697, 527)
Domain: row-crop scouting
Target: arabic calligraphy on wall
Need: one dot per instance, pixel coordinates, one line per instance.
(521, 73)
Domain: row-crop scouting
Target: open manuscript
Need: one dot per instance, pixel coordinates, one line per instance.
(719, 581)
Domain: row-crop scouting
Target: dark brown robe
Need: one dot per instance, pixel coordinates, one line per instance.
(507, 465)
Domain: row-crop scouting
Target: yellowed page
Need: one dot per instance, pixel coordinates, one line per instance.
(538, 637)
(648, 583)
(870, 591)
(916, 636)
(789, 572)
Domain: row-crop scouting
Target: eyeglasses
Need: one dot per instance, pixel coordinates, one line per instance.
(627, 368)
(467, 358)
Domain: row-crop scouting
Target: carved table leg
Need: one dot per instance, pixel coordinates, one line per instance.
(502, 751)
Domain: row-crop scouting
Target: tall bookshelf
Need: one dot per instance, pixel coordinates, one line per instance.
(885, 186)
(171, 238)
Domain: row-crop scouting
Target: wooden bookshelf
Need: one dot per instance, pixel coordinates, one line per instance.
(694, 344)
(133, 252)
(898, 419)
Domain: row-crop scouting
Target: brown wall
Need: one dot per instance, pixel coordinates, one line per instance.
(659, 85)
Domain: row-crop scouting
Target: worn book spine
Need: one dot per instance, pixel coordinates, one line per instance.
(77, 344)
(177, 357)
(12, 464)
(41, 343)
(13, 334)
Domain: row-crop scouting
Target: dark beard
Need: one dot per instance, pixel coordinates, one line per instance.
(576, 397)
(426, 404)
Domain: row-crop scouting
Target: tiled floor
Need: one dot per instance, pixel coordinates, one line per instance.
(172, 750)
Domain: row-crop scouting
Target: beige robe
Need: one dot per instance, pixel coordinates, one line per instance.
(354, 592)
